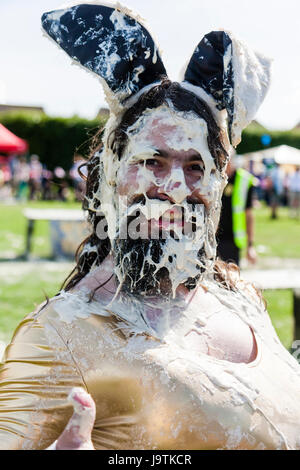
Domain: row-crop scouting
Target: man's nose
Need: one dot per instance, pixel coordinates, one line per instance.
(175, 186)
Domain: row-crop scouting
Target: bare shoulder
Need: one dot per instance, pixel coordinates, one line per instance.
(34, 329)
(226, 322)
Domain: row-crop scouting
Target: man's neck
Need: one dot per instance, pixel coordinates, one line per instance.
(103, 283)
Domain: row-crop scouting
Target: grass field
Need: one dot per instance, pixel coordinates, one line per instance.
(20, 292)
(277, 237)
(13, 228)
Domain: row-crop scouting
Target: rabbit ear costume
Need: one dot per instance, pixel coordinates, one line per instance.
(110, 43)
(233, 75)
(114, 44)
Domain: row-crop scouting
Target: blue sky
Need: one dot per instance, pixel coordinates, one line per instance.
(35, 72)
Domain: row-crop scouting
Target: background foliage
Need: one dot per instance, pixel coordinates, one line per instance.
(55, 139)
(251, 138)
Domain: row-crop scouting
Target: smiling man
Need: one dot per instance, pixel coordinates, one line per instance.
(170, 349)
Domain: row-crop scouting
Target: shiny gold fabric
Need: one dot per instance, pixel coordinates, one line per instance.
(147, 395)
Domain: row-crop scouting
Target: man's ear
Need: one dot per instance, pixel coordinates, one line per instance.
(109, 42)
(233, 75)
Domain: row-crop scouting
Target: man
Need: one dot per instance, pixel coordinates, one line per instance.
(36, 173)
(276, 190)
(236, 227)
(294, 193)
(172, 348)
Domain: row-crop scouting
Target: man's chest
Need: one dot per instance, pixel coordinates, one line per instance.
(206, 326)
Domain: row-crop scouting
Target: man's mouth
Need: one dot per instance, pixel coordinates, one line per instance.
(161, 218)
(172, 217)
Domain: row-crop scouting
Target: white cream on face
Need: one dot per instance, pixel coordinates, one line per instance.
(177, 132)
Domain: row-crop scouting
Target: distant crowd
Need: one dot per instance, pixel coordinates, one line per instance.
(279, 188)
(24, 179)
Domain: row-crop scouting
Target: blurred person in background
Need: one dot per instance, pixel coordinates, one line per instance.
(5, 174)
(294, 193)
(285, 192)
(5, 178)
(35, 181)
(47, 194)
(60, 181)
(13, 162)
(236, 226)
(266, 187)
(276, 189)
(21, 178)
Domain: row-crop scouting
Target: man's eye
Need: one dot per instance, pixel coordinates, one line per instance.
(196, 167)
(152, 162)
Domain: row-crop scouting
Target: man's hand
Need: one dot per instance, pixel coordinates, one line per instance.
(251, 254)
(77, 434)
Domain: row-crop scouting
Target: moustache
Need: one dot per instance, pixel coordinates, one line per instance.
(159, 217)
(156, 207)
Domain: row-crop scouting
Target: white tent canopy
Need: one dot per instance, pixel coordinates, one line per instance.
(282, 154)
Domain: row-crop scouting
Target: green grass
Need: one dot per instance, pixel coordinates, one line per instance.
(21, 293)
(13, 226)
(280, 308)
(280, 237)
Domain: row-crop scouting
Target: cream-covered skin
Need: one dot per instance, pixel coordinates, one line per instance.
(167, 162)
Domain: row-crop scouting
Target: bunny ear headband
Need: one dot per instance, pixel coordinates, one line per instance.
(112, 43)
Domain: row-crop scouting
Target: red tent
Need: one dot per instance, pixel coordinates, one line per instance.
(10, 143)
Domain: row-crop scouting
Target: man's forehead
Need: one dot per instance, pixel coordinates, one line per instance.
(164, 128)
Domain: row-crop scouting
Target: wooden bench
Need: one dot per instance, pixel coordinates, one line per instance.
(275, 279)
(51, 215)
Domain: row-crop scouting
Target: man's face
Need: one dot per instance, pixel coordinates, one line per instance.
(167, 159)
(168, 193)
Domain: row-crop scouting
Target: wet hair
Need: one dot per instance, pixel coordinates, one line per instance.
(92, 251)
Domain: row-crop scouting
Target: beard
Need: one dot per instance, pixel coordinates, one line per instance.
(155, 267)
(138, 264)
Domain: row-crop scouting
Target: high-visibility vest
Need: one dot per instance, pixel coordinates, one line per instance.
(242, 182)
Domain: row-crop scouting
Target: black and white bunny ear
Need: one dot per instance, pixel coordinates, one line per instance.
(108, 42)
(236, 77)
